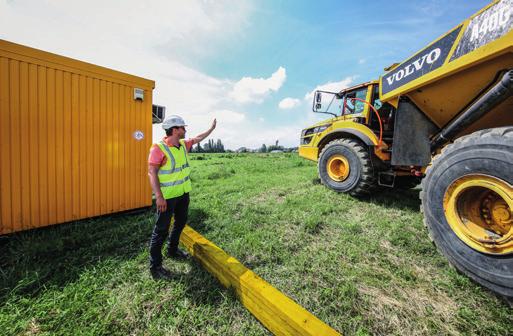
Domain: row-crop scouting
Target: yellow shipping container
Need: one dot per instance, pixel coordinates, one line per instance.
(73, 139)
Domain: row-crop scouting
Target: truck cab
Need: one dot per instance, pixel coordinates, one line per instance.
(357, 113)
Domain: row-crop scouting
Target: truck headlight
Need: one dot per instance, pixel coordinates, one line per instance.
(305, 140)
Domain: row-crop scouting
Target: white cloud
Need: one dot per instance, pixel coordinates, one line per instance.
(250, 89)
(289, 103)
(362, 61)
(287, 136)
(90, 29)
(138, 38)
(331, 87)
(229, 117)
(135, 37)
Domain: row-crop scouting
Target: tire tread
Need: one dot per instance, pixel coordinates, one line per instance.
(368, 180)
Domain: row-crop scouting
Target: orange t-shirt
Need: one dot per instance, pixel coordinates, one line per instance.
(158, 158)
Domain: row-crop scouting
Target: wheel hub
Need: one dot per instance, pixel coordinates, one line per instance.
(338, 168)
(479, 209)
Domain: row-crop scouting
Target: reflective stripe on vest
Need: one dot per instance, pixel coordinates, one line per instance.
(169, 154)
(170, 184)
(174, 181)
(175, 170)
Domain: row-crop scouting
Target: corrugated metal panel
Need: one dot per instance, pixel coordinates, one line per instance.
(67, 146)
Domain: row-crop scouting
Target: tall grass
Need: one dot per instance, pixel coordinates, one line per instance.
(362, 266)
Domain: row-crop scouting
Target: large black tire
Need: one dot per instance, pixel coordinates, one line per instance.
(361, 179)
(488, 152)
(406, 182)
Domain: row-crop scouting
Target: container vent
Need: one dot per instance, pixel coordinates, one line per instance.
(138, 94)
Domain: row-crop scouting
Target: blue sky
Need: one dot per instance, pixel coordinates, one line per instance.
(237, 60)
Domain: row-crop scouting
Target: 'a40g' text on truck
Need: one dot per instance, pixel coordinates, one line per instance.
(443, 117)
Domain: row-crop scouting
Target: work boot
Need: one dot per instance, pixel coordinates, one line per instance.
(160, 273)
(178, 254)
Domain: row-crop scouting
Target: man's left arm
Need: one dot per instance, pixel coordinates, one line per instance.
(198, 138)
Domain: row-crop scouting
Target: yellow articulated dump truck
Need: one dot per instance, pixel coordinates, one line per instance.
(443, 117)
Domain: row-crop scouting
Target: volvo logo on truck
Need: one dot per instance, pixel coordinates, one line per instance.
(422, 63)
(416, 65)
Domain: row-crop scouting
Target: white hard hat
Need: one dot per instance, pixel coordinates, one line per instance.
(173, 121)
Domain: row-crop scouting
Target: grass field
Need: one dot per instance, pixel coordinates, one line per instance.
(363, 267)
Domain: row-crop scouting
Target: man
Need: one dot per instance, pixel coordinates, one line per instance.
(169, 178)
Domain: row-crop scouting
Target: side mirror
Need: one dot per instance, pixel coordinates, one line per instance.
(326, 102)
(318, 97)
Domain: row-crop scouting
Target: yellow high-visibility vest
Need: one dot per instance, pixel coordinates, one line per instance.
(174, 175)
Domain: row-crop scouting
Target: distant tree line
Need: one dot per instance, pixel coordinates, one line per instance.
(216, 146)
(210, 147)
(267, 149)
(270, 148)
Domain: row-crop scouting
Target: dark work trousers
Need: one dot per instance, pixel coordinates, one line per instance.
(179, 206)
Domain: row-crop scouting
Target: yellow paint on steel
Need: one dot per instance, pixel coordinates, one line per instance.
(479, 209)
(362, 129)
(273, 309)
(500, 46)
(308, 152)
(444, 92)
(381, 153)
(312, 150)
(338, 168)
(67, 149)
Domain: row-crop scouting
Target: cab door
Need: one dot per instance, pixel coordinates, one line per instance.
(353, 107)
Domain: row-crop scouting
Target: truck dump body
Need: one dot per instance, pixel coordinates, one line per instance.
(454, 70)
(73, 140)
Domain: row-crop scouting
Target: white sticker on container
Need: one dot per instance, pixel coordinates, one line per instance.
(138, 135)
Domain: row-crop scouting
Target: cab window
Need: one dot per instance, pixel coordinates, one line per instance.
(353, 106)
(376, 102)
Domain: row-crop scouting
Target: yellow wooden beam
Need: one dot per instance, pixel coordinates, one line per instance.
(275, 310)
